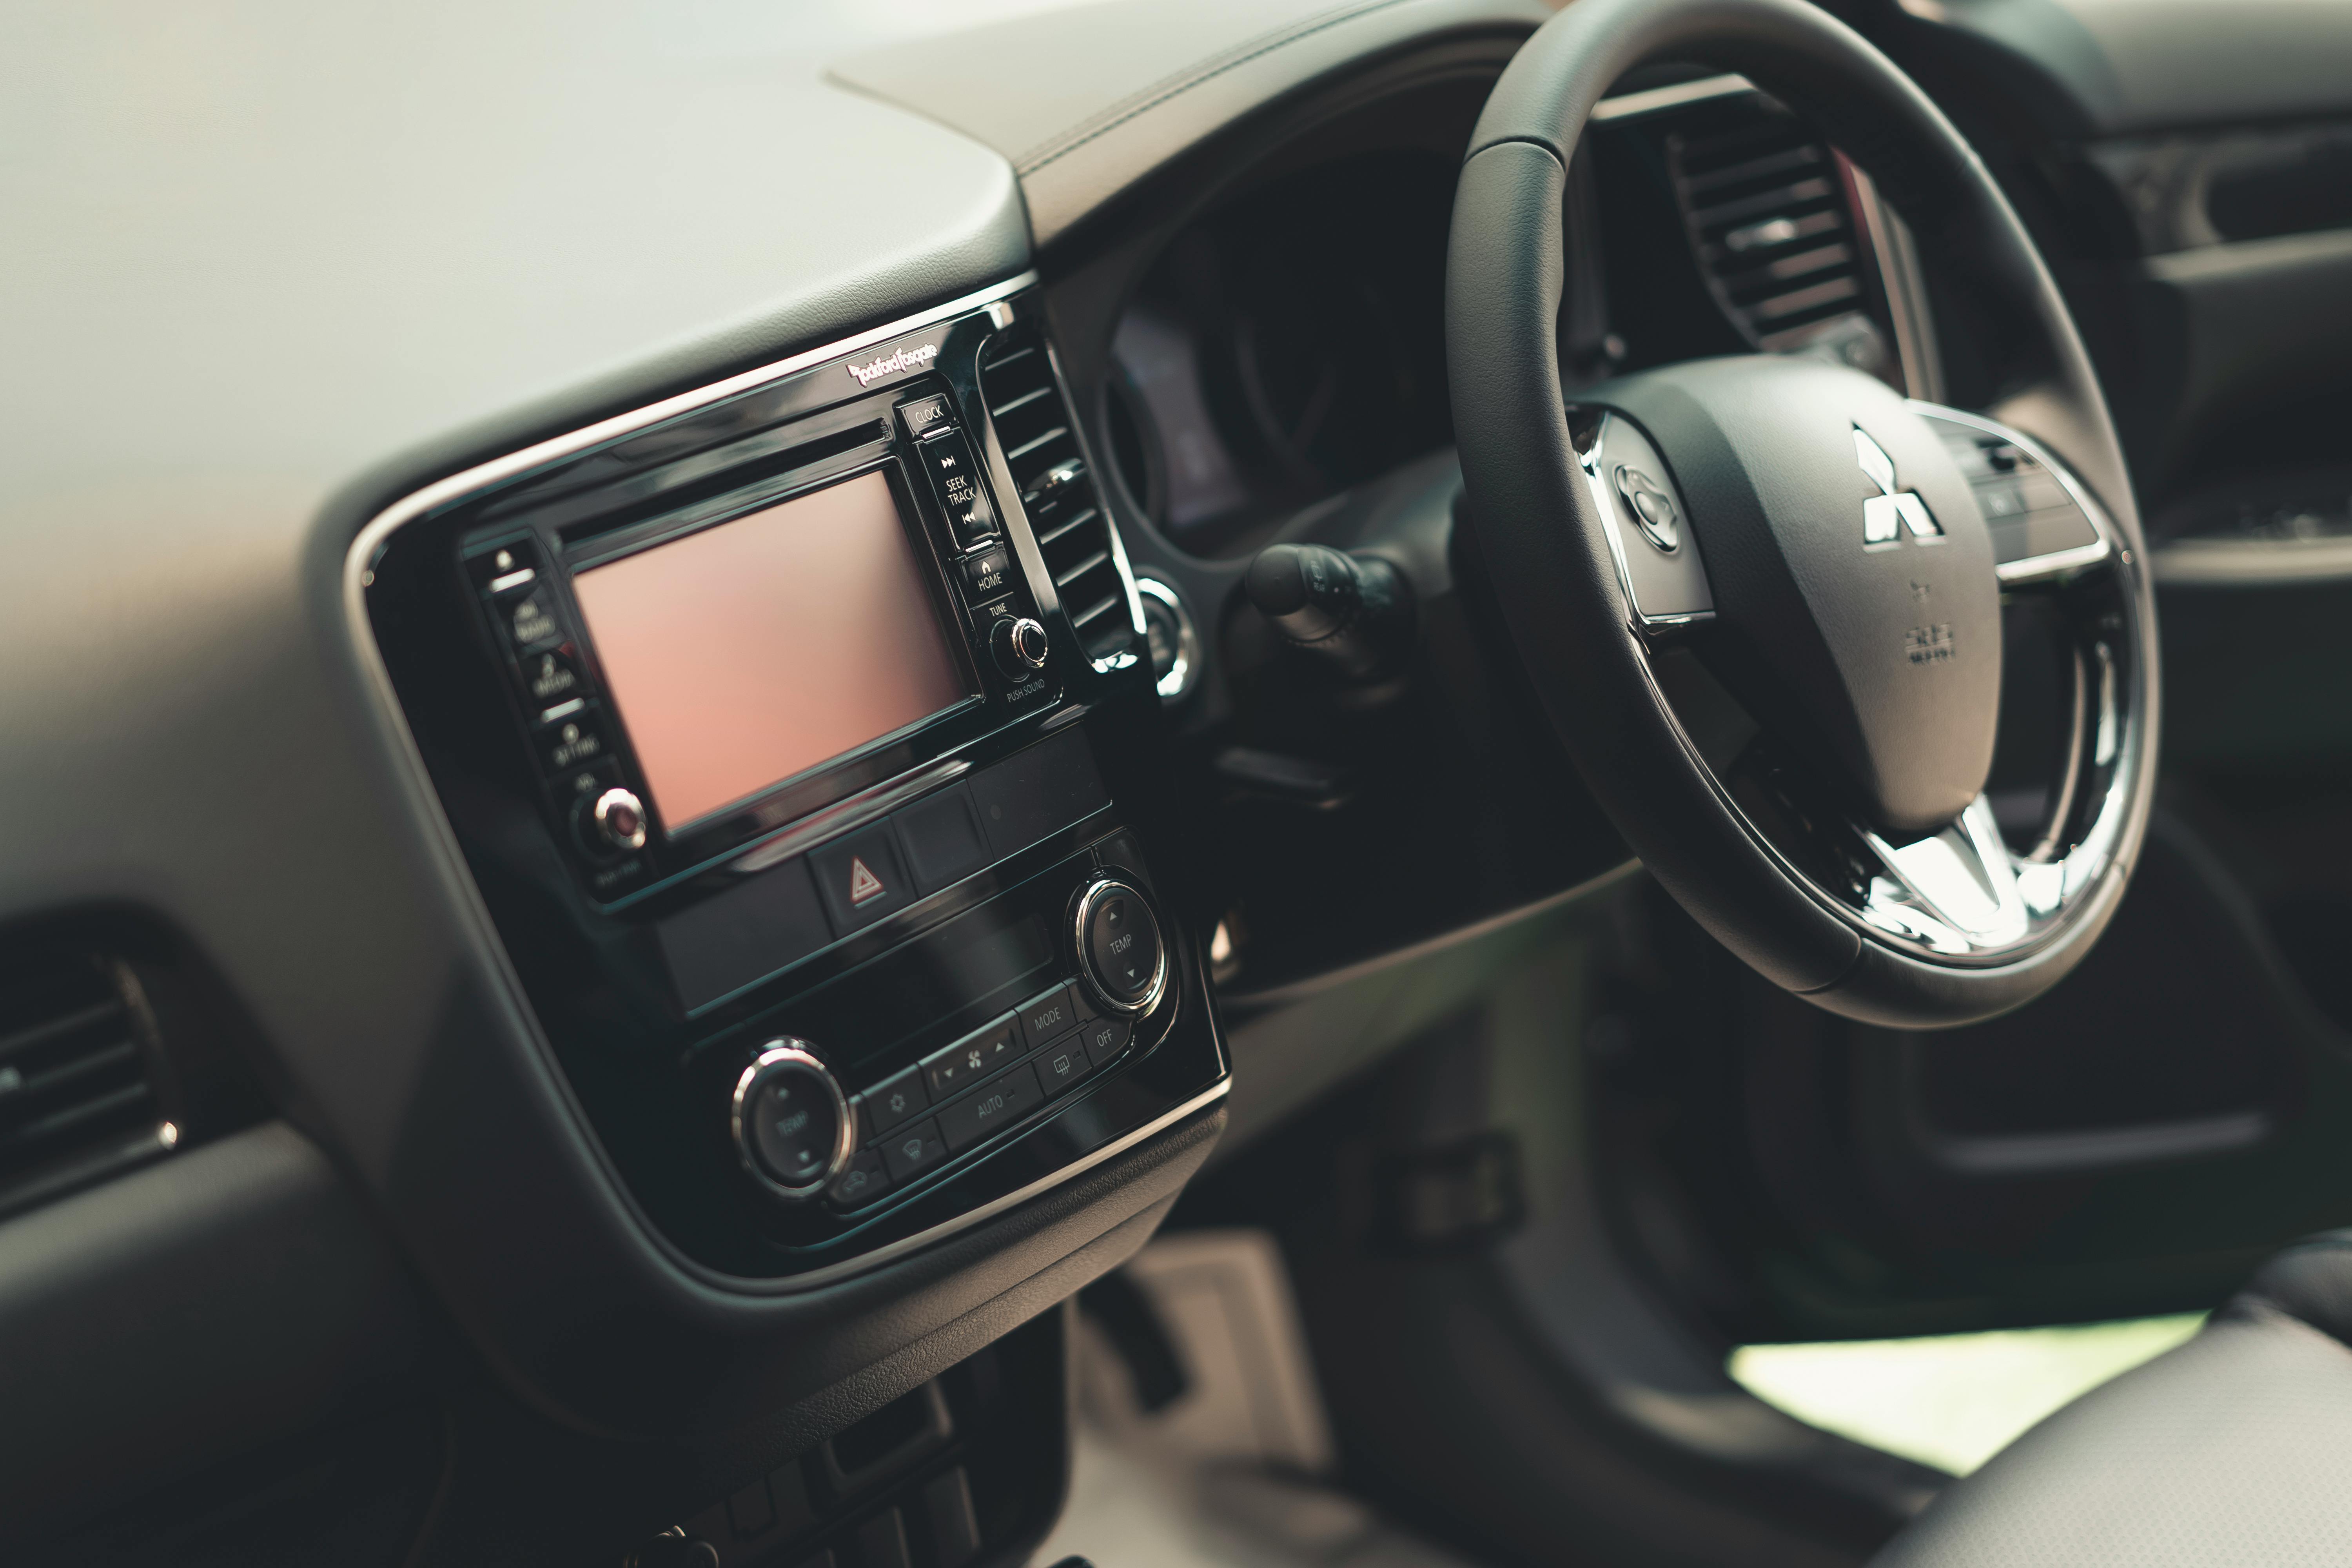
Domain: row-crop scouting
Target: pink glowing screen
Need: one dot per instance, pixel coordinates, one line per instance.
(744, 654)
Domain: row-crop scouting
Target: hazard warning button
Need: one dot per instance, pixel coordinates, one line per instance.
(862, 878)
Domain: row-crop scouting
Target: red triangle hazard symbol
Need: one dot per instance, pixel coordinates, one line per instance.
(863, 883)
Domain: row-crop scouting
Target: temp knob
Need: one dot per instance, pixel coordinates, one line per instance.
(1121, 951)
(1018, 644)
(617, 820)
(793, 1125)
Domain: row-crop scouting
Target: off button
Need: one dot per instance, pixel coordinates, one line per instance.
(1118, 938)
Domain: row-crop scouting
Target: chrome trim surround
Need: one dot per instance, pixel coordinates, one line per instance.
(457, 879)
(1177, 684)
(619, 799)
(987, 1210)
(788, 1050)
(1082, 910)
(1905, 283)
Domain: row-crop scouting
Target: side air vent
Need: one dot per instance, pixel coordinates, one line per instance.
(79, 1098)
(1768, 216)
(1041, 447)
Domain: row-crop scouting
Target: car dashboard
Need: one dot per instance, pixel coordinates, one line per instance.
(652, 813)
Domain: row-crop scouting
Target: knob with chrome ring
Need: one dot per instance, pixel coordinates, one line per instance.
(793, 1126)
(1019, 646)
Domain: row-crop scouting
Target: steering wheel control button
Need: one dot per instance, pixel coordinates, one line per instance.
(996, 1105)
(1653, 508)
(866, 1177)
(861, 879)
(893, 1100)
(1048, 1017)
(1019, 646)
(1105, 1038)
(971, 1059)
(1668, 585)
(1119, 947)
(791, 1123)
(910, 1151)
(619, 818)
(954, 474)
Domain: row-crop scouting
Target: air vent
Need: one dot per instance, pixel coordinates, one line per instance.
(1041, 447)
(1767, 209)
(77, 1096)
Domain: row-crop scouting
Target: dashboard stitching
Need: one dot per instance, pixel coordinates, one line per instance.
(1168, 87)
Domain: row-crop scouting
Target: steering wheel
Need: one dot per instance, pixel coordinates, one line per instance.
(1758, 596)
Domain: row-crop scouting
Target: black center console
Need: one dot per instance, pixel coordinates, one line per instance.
(789, 732)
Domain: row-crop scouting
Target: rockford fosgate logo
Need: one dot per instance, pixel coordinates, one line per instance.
(917, 358)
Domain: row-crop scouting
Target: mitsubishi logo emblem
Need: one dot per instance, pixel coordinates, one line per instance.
(1886, 515)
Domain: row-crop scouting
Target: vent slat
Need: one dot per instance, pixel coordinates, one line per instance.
(75, 1089)
(1062, 530)
(123, 1053)
(1022, 450)
(44, 1129)
(1784, 261)
(25, 1041)
(1034, 425)
(1071, 574)
(1026, 398)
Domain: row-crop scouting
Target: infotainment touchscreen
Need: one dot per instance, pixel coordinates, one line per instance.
(749, 652)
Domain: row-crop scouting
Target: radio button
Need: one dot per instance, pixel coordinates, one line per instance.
(913, 1150)
(925, 416)
(893, 1100)
(530, 619)
(1019, 646)
(618, 819)
(987, 574)
(571, 740)
(504, 566)
(955, 479)
(551, 676)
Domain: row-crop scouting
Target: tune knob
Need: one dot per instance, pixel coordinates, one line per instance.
(1020, 647)
(793, 1125)
(616, 819)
